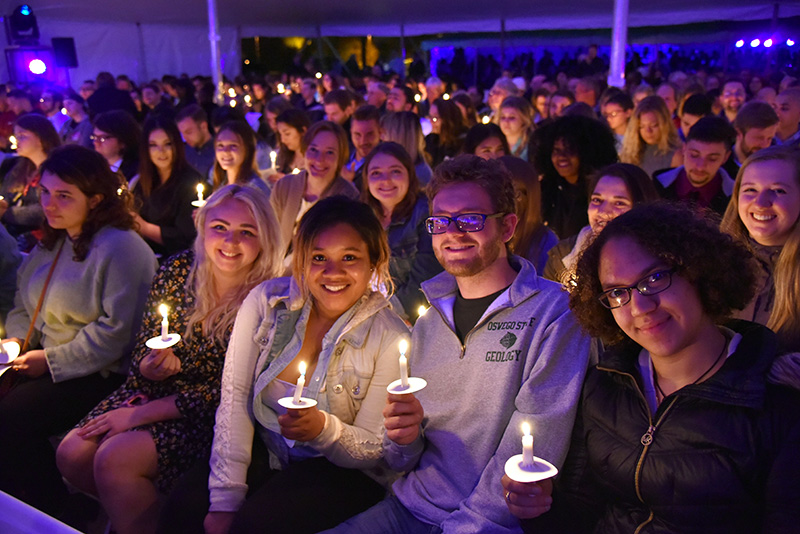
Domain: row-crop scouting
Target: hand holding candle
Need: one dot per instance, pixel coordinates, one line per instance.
(301, 383)
(403, 364)
(527, 446)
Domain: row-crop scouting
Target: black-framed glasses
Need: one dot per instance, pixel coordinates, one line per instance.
(466, 222)
(652, 284)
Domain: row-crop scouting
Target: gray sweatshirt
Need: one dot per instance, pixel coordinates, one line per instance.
(525, 360)
(92, 309)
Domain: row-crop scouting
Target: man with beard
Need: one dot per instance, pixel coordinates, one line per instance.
(732, 99)
(499, 348)
(401, 98)
(365, 134)
(756, 125)
(51, 103)
(701, 180)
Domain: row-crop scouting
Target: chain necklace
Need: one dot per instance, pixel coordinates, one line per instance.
(701, 377)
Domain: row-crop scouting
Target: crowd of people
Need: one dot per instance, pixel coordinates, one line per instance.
(618, 268)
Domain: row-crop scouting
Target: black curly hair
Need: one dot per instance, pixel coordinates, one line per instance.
(721, 269)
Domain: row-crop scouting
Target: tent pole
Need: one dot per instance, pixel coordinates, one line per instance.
(216, 55)
(619, 38)
(142, 56)
(320, 56)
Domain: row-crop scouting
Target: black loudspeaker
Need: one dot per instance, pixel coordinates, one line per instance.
(64, 51)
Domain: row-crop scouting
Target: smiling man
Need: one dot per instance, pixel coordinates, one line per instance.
(502, 348)
(701, 180)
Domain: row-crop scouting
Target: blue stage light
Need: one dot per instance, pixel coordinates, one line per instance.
(37, 66)
(740, 43)
(25, 10)
(755, 42)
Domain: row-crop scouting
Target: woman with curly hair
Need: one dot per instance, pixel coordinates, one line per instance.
(447, 131)
(651, 139)
(565, 153)
(763, 213)
(678, 418)
(138, 440)
(80, 336)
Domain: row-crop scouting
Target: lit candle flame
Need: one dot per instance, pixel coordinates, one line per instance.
(486, 120)
(233, 103)
(302, 368)
(231, 92)
(163, 310)
(281, 88)
(417, 98)
(318, 75)
(422, 311)
(12, 142)
(247, 98)
(403, 346)
(295, 171)
(526, 428)
(446, 96)
(200, 189)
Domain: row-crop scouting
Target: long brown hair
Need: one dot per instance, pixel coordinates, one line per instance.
(784, 319)
(406, 206)
(89, 172)
(531, 229)
(149, 178)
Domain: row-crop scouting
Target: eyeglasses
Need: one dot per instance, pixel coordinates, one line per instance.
(466, 222)
(611, 114)
(101, 138)
(652, 284)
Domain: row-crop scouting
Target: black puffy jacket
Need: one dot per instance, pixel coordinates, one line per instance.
(722, 456)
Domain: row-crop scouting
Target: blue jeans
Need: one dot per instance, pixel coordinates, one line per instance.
(387, 517)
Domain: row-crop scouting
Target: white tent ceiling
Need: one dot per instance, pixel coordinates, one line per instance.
(148, 38)
(384, 17)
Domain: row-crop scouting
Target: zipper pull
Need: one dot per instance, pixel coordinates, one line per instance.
(463, 352)
(647, 438)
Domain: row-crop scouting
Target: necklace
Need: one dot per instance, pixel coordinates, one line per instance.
(701, 377)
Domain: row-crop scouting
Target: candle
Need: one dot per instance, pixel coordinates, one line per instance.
(200, 190)
(232, 92)
(162, 309)
(527, 446)
(301, 383)
(273, 156)
(318, 75)
(422, 311)
(11, 348)
(281, 88)
(403, 364)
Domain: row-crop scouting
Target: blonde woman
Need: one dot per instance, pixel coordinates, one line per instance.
(763, 214)
(137, 441)
(651, 140)
(516, 122)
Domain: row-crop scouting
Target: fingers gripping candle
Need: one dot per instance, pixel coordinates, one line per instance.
(301, 383)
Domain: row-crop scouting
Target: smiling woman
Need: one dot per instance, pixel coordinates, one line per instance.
(764, 214)
(160, 422)
(345, 335)
(165, 189)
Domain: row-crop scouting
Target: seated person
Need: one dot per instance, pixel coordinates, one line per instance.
(79, 341)
(137, 441)
(495, 323)
(701, 180)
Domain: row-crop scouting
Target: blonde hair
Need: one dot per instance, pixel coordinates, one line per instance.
(402, 127)
(784, 319)
(633, 146)
(218, 313)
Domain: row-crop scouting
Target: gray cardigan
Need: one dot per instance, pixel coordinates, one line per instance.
(92, 308)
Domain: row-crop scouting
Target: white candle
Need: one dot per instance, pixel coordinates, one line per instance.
(527, 446)
(403, 364)
(273, 156)
(200, 190)
(301, 383)
(164, 322)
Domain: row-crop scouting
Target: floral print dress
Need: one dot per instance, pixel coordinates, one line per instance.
(179, 442)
